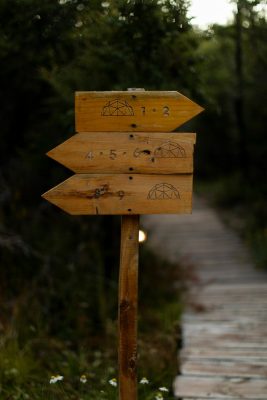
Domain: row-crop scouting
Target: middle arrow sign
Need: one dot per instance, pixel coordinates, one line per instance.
(126, 152)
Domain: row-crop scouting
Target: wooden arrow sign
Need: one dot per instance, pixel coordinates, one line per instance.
(132, 111)
(122, 194)
(105, 152)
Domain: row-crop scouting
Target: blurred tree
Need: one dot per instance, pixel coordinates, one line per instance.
(48, 50)
(239, 102)
(233, 88)
(132, 44)
(232, 143)
(245, 17)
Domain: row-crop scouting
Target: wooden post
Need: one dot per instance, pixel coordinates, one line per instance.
(128, 299)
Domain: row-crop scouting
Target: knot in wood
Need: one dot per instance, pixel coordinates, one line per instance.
(132, 363)
(124, 306)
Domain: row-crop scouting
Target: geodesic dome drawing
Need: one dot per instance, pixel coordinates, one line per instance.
(117, 108)
(163, 191)
(170, 150)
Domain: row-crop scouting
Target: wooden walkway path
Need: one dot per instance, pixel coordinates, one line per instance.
(224, 351)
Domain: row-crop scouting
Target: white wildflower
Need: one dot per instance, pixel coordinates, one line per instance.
(80, 7)
(79, 24)
(83, 379)
(163, 389)
(144, 381)
(158, 396)
(113, 382)
(56, 378)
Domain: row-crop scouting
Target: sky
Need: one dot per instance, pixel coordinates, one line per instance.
(206, 12)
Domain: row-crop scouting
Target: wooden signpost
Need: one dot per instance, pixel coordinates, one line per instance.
(127, 161)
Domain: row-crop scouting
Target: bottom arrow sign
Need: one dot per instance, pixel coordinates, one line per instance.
(121, 194)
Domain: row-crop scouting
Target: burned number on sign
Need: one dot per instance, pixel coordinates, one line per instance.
(165, 111)
(112, 154)
(104, 191)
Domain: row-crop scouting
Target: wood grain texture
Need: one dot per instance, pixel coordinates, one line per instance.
(223, 388)
(124, 152)
(232, 368)
(123, 194)
(252, 354)
(148, 111)
(128, 303)
(224, 327)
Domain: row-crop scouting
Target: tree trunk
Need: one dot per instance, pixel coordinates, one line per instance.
(239, 101)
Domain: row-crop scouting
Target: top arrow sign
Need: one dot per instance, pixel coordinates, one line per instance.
(139, 111)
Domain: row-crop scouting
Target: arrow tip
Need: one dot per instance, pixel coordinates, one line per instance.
(50, 154)
(44, 196)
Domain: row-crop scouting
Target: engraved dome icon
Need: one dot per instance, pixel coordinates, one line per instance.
(163, 191)
(170, 150)
(117, 108)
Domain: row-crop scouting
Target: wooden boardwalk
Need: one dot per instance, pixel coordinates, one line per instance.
(224, 328)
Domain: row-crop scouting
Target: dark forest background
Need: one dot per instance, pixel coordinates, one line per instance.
(58, 273)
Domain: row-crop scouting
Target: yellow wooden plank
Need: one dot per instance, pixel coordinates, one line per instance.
(140, 111)
(106, 152)
(85, 194)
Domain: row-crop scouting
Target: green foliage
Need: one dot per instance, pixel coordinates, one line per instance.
(232, 143)
(220, 136)
(48, 50)
(30, 355)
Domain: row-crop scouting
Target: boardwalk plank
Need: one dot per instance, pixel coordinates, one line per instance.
(231, 368)
(224, 329)
(254, 389)
(225, 354)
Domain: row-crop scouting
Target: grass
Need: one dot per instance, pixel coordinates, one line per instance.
(30, 355)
